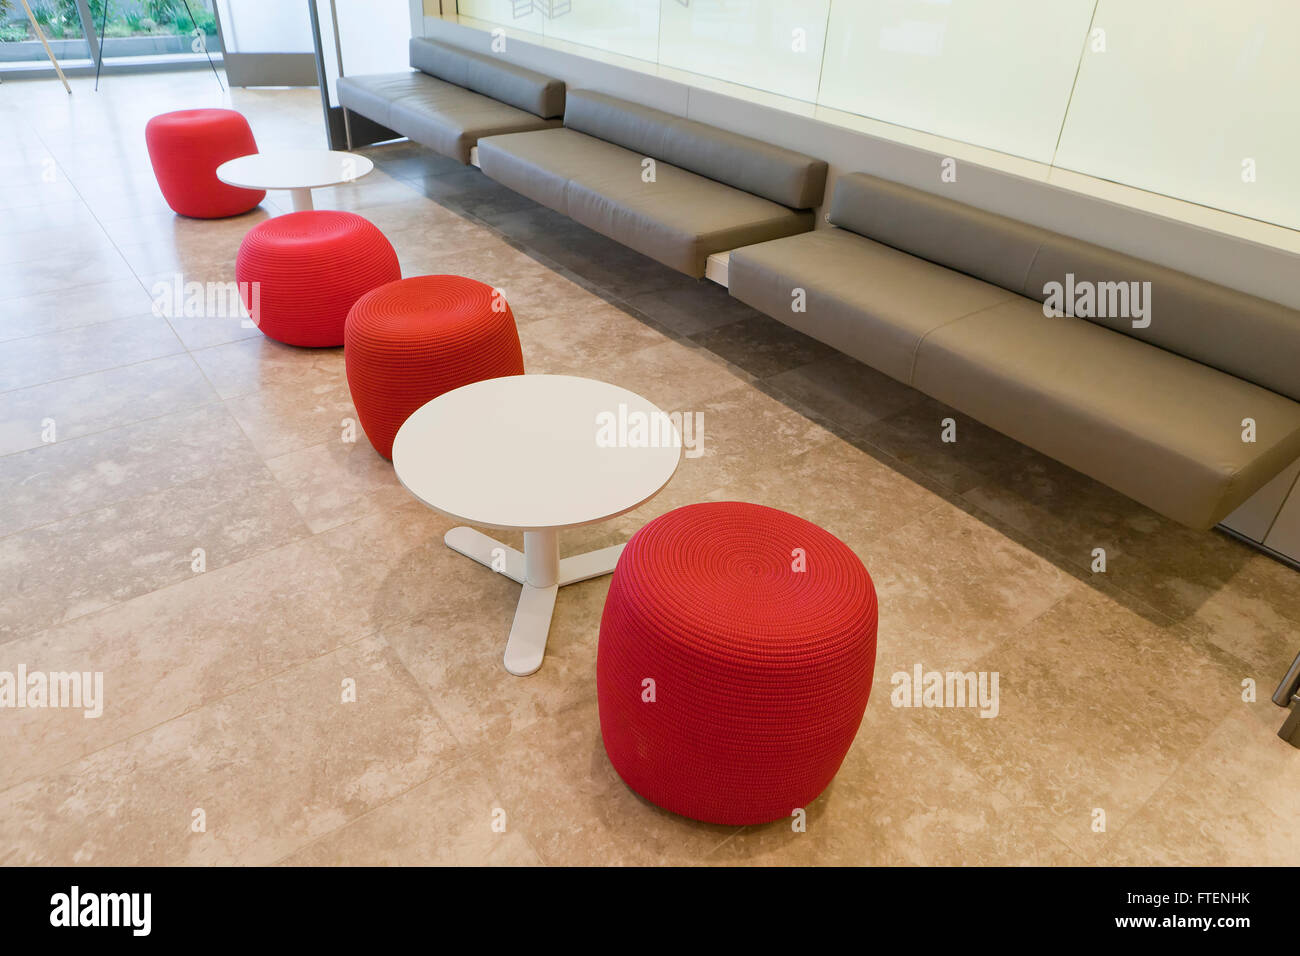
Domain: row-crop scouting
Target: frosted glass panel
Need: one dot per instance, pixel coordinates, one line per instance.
(1186, 93)
(254, 26)
(773, 45)
(996, 73)
(374, 34)
(524, 15)
(628, 27)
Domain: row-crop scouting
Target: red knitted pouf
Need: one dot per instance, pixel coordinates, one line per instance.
(309, 268)
(735, 661)
(408, 342)
(186, 147)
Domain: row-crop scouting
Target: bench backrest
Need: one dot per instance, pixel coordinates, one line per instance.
(523, 89)
(1238, 333)
(778, 174)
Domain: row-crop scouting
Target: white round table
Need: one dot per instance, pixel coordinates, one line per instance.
(535, 453)
(297, 170)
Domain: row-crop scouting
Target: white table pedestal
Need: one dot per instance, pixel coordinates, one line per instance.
(301, 199)
(461, 454)
(542, 572)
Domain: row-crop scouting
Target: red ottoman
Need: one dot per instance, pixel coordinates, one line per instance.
(408, 342)
(186, 147)
(761, 672)
(309, 268)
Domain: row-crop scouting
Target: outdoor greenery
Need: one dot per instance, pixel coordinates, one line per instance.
(126, 18)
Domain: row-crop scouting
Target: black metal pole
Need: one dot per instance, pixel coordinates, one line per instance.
(190, 13)
(99, 60)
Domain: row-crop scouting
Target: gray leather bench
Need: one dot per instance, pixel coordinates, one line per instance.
(949, 299)
(454, 97)
(711, 190)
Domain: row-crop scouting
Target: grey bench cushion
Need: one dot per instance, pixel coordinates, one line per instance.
(950, 301)
(781, 175)
(1158, 427)
(680, 219)
(978, 243)
(491, 76)
(1229, 330)
(864, 298)
(442, 116)
(1246, 336)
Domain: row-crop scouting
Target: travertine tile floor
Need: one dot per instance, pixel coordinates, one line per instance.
(1120, 692)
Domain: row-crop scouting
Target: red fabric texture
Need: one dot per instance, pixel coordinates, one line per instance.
(408, 342)
(761, 672)
(310, 267)
(186, 147)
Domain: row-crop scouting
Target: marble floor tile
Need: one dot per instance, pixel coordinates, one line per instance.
(336, 482)
(83, 349)
(843, 390)
(1232, 803)
(176, 649)
(901, 799)
(53, 215)
(762, 346)
(81, 474)
(676, 376)
(914, 435)
(227, 760)
(1100, 702)
(850, 488)
(92, 560)
(558, 787)
(279, 419)
(951, 588)
(734, 433)
(583, 341)
(100, 400)
(455, 651)
(447, 821)
(48, 312)
(67, 244)
(691, 309)
(238, 368)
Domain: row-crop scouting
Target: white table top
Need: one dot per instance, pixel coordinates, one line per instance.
(529, 452)
(294, 169)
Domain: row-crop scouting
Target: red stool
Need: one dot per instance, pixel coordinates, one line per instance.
(408, 342)
(758, 630)
(186, 147)
(300, 273)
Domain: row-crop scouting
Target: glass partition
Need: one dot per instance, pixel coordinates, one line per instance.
(995, 74)
(776, 46)
(1193, 99)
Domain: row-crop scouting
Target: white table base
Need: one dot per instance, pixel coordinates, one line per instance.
(301, 199)
(542, 572)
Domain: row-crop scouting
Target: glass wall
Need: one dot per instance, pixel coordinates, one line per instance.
(131, 29)
(59, 20)
(1193, 99)
(135, 28)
